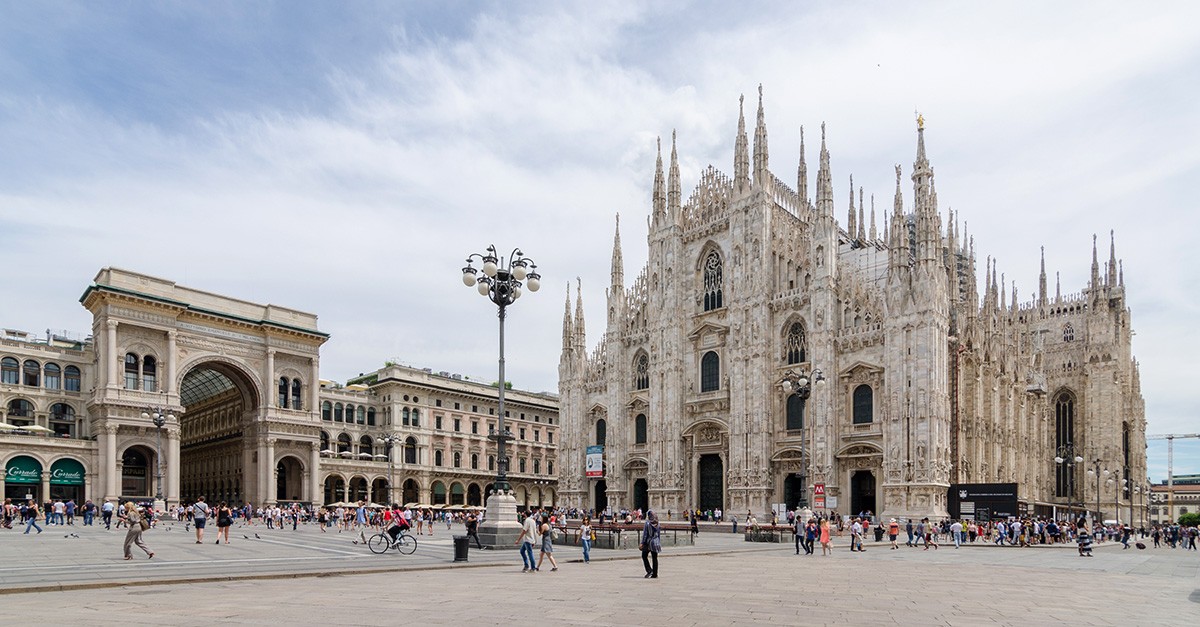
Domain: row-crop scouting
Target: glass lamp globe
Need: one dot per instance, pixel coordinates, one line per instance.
(787, 385)
(516, 292)
(489, 266)
(518, 270)
(534, 284)
(468, 276)
(1058, 460)
(484, 287)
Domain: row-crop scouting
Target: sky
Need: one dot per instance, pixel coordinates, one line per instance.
(345, 158)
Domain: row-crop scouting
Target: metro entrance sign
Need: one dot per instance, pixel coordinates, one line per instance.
(819, 489)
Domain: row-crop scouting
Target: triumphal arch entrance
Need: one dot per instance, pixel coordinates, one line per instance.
(241, 380)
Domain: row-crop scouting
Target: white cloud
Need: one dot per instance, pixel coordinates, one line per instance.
(1046, 123)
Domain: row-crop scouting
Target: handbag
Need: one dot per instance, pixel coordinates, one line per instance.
(145, 524)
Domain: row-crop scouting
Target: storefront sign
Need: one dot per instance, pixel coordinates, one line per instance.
(66, 472)
(23, 470)
(595, 461)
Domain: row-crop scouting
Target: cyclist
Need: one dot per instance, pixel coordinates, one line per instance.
(399, 524)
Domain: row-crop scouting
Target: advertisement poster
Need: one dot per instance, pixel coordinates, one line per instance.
(595, 461)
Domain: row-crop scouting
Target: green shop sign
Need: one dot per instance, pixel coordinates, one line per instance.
(66, 472)
(23, 470)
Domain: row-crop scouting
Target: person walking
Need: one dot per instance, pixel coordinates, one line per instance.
(651, 544)
(798, 532)
(137, 524)
(31, 516)
(547, 533)
(224, 522)
(825, 548)
(472, 524)
(200, 518)
(893, 532)
(529, 532)
(585, 539)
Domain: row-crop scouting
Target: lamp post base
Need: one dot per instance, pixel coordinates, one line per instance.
(500, 529)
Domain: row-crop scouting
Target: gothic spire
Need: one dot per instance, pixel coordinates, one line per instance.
(1121, 277)
(1057, 288)
(1003, 297)
(741, 152)
(618, 264)
(761, 171)
(1042, 281)
(568, 330)
(660, 192)
(1112, 258)
(1013, 303)
(1095, 265)
(824, 180)
(673, 192)
(580, 330)
(873, 232)
(851, 223)
(802, 173)
(862, 222)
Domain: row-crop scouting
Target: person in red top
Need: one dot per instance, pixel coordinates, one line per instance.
(893, 532)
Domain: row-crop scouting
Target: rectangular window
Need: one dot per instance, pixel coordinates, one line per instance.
(522, 433)
(437, 402)
(437, 422)
(475, 427)
(457, 424)
(456, 406)
(537, 435)
(492, 411)
(475, 409)
(550, 437)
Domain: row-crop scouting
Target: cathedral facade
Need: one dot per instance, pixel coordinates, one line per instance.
(917, 380)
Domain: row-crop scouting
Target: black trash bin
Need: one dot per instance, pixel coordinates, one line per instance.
(461, 546)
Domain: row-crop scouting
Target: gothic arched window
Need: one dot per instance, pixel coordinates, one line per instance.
(283, 392)
(710, 372)
(639, 429)
(794, 345)
(1064, 436)
(601, 432)
(864, 405)
(131, 371)
(713, 294)
(1068, 333)
(641, 377)
(795, 412)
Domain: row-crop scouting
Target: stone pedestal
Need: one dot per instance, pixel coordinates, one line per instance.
(500, 529)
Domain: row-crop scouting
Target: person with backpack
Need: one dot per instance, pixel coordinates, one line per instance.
(547, 533)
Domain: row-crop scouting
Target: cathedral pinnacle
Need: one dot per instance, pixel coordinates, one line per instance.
(580, 331)
(660, 194)
(851, 222)
(673, 192)
(1112, 258)
(824, 180)
(618, 264)
(741, 152)
(568, 330)
(862, 222)
(802, 173)
(1095, 265)
(1042, 281)
(873, 234)
(761, 168)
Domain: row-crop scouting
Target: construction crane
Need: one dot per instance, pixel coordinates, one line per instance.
(1170, 438)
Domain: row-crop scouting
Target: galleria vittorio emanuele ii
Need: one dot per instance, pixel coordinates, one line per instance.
(768, 354)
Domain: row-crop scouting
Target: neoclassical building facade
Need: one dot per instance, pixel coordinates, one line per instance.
(928, 380)
(250, 419)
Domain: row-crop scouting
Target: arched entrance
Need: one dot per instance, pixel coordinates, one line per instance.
(358, 489)
(411, 491)
(379, 491)
(712, 483)
(135, 473)
(335, 489)
(793, 491)
(862, 492)
(220, 408)
(289, 479)
(601, 496)
(474, 496)
(641, 495)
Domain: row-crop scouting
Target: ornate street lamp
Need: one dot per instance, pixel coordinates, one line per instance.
(1096, 472)
(1065, 456)
(160, 418)
(501, 283)
(800, 384)
(391, 440)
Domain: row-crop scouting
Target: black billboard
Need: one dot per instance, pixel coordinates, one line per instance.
(983, 501)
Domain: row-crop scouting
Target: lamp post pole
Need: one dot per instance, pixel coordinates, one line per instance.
(1097, 472)
(1065, 456)
(159, 417)
(800, 384)
(501, 283)
(391, 439)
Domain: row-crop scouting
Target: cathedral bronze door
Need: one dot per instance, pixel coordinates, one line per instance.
(862, 493)
(641, 495)
(601, 494)
(712, 488)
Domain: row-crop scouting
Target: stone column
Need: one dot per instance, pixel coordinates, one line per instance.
(110, 347)
(314, 388)
(171, 359)
(271, 477)
(173, 468)
(272, 384)
(315, 489)
(108, 463)
(45, 487)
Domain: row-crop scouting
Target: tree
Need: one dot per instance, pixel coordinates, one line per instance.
(1190, 519)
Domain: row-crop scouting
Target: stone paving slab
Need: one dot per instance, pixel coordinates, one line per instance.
(721, 581)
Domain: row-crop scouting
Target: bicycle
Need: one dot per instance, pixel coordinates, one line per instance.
(381, 542)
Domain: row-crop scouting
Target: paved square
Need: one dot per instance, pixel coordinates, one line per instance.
(721, 580)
